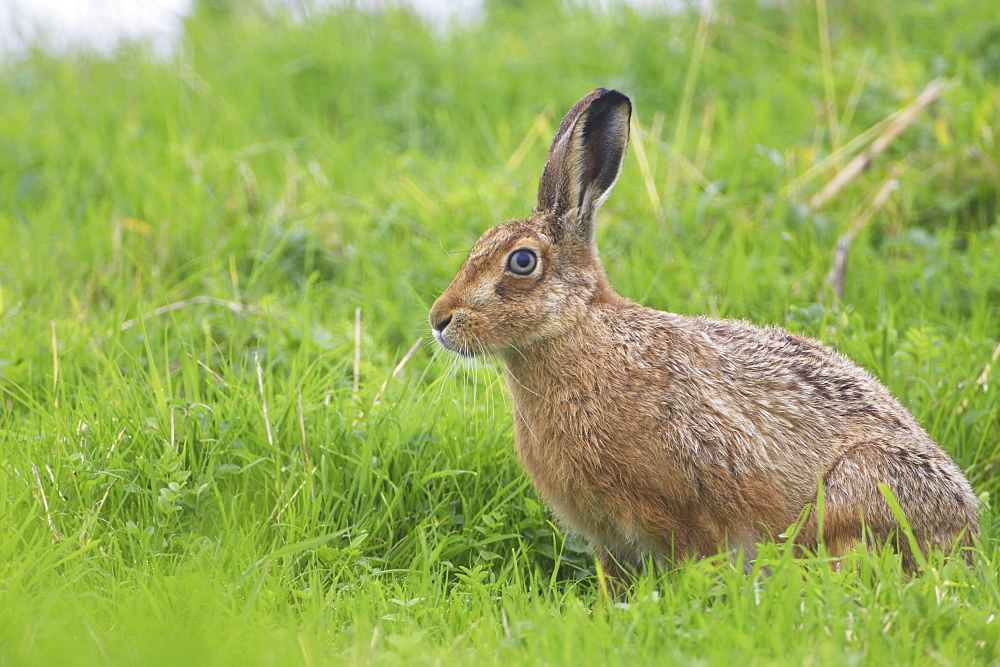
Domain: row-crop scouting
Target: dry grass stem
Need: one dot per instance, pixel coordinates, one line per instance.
(302, 433)
(982, 380)
(97, 511)
(45, 504)
(696, 175)
(687, 98)
(638, 144)
(539, 128)
(240, 308)
(837, 276)
(55, 363)
(399, 367)
(215, 376)
(263, 400)
(903, 119)
(356, 381)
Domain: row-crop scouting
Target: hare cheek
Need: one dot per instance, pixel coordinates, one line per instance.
(480, 296)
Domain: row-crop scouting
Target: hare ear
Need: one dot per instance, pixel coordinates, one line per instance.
(585, 160)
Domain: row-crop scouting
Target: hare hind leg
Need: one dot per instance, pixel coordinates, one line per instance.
(934, 497)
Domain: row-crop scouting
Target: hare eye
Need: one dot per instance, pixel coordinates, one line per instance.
(522, 261)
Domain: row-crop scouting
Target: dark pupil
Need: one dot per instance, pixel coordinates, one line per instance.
(522, 260)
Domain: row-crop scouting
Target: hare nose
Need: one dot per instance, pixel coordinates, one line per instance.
(441, 324)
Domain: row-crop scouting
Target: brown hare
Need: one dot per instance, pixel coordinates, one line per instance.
(655, 434)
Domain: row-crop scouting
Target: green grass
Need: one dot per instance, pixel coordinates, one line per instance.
(209, 483)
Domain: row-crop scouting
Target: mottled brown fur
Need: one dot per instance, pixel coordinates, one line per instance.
(657, 434)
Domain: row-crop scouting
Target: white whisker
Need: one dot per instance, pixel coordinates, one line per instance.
(521, 384)
(522, 419)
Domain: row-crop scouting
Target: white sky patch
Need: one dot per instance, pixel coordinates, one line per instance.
(98, 25)
(101, 25)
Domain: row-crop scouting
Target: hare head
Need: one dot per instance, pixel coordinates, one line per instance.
(525, 280)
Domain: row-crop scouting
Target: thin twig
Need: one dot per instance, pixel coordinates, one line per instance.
(302, 433)
(406, 357)
(399, 367)
(173, 430)
(704, 147)
(907, 115)
(860, 80)
(356, 385)
(306, 462)
(180, 305)
(823, 165)
(278, 506)
(114, 445)
(838, 272)
(539, 128)
(356, 382)
(696, 175)
(263, 400)
(97, 511)
(249, 187)
(276, 513)
(647, 174)
(55, 363)
(45, 503)
(687, 98)
(829, 93)
(215, 376)
(981, 381)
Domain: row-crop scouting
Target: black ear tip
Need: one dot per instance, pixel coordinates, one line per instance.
(602, 91)
(611, 97)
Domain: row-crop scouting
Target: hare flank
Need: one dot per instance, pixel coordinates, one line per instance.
(651, 433)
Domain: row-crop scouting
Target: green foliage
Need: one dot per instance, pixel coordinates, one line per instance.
(192, 467)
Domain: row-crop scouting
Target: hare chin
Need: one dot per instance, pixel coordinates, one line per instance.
(463, 358)
(477, 362)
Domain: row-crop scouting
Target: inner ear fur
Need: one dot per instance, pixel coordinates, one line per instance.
(585, 161)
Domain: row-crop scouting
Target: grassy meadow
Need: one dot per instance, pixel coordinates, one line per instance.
(226, 437)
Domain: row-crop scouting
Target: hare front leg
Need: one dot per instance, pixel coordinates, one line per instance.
(617, 573)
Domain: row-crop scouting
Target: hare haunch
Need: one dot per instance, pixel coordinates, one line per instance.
(651, 433)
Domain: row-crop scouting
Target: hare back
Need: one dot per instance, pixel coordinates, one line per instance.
(653, 432)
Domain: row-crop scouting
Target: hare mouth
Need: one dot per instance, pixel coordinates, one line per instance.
(462, 350)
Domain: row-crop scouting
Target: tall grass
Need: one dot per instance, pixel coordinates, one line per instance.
(218, 479)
